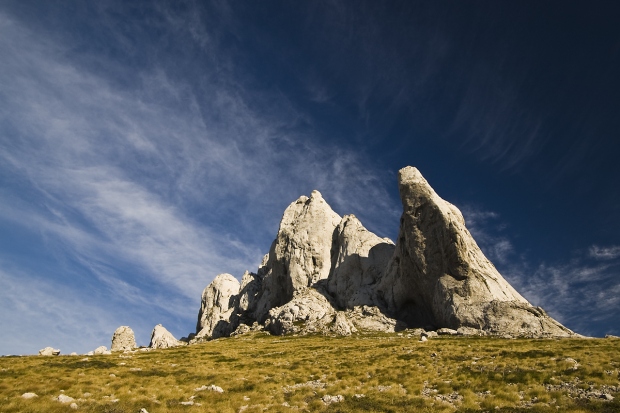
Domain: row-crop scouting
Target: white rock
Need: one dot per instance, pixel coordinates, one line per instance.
(439, 276)
(301, 254)
(308, 312)
(49, 351)
(162, 338)
(211, 387)
(101, 350)
(123, 339)
(446, 332)
(341, 325)
(327, 399)
(29, 395)
(74, 406)
(217, 306)
(360, 260)
(65, 399)
(143, 410)
(73, 354)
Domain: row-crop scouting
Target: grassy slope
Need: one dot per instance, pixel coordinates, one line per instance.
(395, 373)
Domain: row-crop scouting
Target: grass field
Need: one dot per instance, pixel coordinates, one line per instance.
(373, 373)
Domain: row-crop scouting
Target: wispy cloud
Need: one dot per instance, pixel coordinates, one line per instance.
(160, 186)
(604, 253)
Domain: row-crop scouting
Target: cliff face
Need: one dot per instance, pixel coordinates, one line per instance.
(329, 274)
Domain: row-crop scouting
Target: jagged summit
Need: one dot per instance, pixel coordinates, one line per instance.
(326, 273)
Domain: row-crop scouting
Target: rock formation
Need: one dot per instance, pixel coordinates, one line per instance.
(123, 339)
(49, 351)
(438, 275)
(162, 338)
(101, 350)
(330, 275)
(217, 305)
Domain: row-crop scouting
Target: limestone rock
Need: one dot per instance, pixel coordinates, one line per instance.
(217, 307)
(439, 276)
(123, 339)
(308, 312)
(29, 395)
(101, 350)
(359, 259)
(447, 332)
(65, 399)
(162, 338)
(49, 351)
(341, 326)
(368, 318)
(301, 253)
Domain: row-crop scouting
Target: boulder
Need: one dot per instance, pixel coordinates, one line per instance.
(123, 339)
(29, 395)
(447, 332)
(65, 399)
(162, 338)
(439, 276)
(310, 311)
(101, 350)
(341, 326)
(300, 256)
(369, 318)
(217, 306)
(49, 351)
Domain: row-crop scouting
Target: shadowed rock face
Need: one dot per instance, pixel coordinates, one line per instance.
(324, 273)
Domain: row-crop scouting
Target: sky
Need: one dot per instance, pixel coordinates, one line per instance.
(146, 147)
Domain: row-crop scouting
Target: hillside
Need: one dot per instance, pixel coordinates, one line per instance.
(393, 372)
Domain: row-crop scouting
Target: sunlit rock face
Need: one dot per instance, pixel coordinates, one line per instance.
(329, 274)
(438, 275)
(218, 304)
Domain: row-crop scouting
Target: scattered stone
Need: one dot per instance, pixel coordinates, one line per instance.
(143, 410)
(341, 325)
(74, 406)
(49, 351)
(607, 396)
(314, 384)
(446, 332)
(327, 399)
(212, 387)
(189, 403)
(430, 334)
(423, 339)
(112, 375)
(65, 399)
(29, 395)
(123, 339)
(162, 338)
(359, 396)
(90, 353)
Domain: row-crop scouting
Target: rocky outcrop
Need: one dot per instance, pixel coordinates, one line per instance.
(301, 253)
(123, 339)
(217, 306)
(359, 259)
(438, 275)
(162, 338)
(49, 351)
(327, 274)
(102, 350)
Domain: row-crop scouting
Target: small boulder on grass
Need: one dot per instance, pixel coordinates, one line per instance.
(212, 387)
(65, 399)
(29, 395)
(49, 351)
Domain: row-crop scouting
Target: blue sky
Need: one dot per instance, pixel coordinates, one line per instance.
(146, 147)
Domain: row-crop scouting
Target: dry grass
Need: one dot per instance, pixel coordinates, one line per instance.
(281, 374)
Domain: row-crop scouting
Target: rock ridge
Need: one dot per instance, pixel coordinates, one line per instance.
(329, 274)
